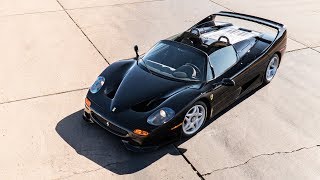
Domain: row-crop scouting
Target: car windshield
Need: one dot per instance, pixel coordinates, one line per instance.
(176, 60)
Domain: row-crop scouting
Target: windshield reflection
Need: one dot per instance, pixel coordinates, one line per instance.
(176, 60)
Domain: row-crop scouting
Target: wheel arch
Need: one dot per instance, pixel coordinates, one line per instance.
(208, 104)
(279, 54)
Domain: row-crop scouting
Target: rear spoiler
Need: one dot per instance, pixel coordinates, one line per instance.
(255, 19)
(280, 27)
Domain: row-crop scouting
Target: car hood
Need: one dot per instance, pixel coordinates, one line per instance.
(139, 85)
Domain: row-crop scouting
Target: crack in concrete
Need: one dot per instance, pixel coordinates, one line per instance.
(260, 155)
(46, 95)
(88, 171)
(77, 173)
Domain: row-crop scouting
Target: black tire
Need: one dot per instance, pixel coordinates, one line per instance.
(266, 79)
(198, 103)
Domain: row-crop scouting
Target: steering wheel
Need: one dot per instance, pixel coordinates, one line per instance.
(225, 37)
(196, 32)
(198, 72)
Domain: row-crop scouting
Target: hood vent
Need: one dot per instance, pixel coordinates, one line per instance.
(110, 92)
(148, 105)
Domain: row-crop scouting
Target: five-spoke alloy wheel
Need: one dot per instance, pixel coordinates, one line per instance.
(194, 119)
(271, 68)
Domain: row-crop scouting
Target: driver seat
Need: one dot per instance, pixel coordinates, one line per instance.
(198, 43)
(187, 41)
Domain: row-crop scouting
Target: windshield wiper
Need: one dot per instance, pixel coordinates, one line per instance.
(145, 65)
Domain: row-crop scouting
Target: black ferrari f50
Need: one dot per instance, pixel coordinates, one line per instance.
(185, 80)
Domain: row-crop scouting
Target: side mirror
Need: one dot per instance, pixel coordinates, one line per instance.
(136, 49)
(227, 82)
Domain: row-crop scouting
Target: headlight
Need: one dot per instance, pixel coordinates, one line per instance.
(96, 86)
(161, 116)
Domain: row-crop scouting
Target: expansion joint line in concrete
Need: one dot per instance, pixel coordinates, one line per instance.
(187, 160)
(46, 95)
(83, 32)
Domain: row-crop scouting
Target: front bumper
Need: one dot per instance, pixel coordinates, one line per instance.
(103, 122)
(130, 140)
(111, 122)
(136, 148)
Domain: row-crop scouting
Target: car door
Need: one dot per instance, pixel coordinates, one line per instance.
(248, 75)
(221, 62)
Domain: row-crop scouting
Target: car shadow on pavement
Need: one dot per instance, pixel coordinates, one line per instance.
(104, 148)
(107, 150)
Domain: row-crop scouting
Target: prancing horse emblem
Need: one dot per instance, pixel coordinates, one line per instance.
(114, 109)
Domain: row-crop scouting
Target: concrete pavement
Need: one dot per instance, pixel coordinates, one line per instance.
(47, 139)
(44, 53)
(281, 117)
(53, 50)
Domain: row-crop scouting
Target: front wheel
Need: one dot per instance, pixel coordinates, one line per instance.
(194, 119)
(271, 69)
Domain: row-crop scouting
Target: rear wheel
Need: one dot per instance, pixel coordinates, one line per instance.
(271, 69)
(194, 119)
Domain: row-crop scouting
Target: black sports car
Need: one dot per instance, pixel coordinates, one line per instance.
(181, 82)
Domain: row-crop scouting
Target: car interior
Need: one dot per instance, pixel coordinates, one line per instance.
(221, 57)
(210, 37)
(214, 40)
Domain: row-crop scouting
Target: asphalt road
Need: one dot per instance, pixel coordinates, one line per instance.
(51, 52)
